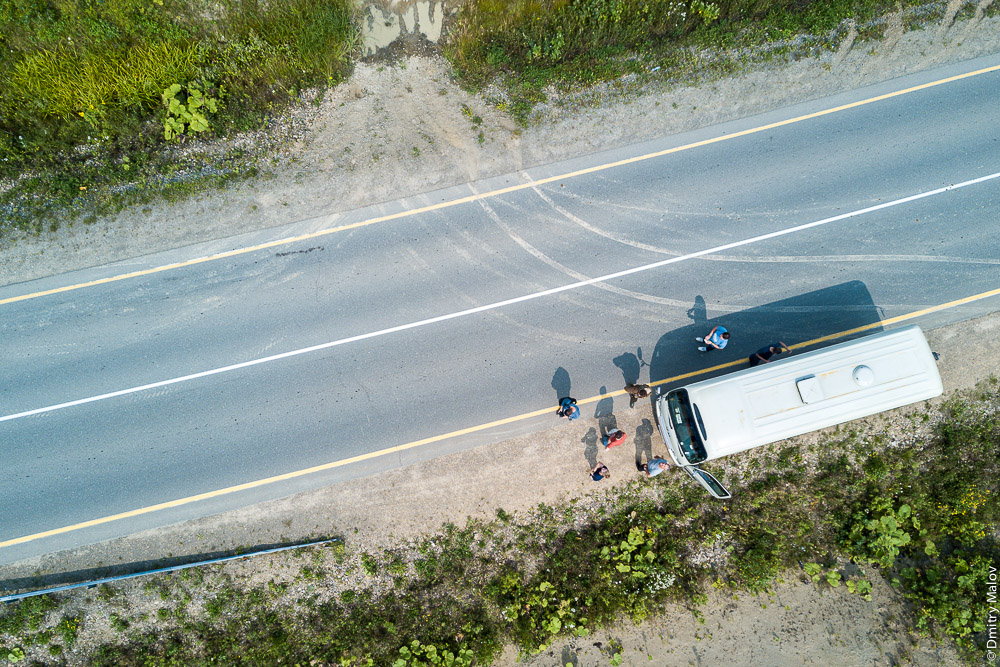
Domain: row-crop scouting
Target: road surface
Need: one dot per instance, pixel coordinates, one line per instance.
(434, 315)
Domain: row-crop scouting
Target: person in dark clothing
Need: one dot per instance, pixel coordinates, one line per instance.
(599, 472)
(764, 354)
(568, 408)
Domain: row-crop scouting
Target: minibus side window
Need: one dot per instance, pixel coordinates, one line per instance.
(683, 423)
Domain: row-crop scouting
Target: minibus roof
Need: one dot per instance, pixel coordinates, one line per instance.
(814, 390)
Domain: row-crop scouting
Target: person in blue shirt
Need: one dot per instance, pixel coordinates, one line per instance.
(568, 408)
(656, 466)
(716, 339)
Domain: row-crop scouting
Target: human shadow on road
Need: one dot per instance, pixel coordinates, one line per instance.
(589, 441)
(561, 383)
(628, 363)
(698, 312)
(643, 444)
(604, 413)
(793, 320)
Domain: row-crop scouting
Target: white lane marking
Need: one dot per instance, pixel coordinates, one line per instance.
(826, 259)
(501, 304)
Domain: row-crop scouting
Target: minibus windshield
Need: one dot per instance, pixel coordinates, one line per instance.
(682, 418)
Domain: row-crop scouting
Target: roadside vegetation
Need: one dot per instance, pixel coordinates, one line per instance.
(116, 103)
(97, 93)
(913, 500)
(515, 49)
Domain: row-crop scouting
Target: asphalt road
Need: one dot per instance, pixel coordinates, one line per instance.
(83, 461)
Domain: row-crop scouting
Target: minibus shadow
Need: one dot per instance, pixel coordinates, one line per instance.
(797, 319)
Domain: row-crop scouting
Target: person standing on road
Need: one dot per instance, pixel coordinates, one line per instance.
(599, 472)
(764, 354)
(716, 339)
(637, 391)
(568, 408)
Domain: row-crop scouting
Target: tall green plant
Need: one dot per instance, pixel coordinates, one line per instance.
(187, 109)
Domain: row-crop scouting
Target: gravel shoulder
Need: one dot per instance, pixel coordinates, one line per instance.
(395, 131)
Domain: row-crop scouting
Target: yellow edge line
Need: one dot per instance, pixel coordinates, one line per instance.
(491, 193)
(472, 429)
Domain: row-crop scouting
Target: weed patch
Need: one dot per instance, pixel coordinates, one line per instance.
(524, 47)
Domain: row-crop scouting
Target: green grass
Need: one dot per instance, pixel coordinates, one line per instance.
(82, 118)
(82, 114)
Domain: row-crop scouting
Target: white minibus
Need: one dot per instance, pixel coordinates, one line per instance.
(836, 384)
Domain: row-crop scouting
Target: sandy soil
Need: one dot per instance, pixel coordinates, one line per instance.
(395, 131)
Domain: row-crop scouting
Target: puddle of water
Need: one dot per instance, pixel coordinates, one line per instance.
(381, 27)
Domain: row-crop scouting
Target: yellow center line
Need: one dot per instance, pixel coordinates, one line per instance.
(465, 431)
(492, 193)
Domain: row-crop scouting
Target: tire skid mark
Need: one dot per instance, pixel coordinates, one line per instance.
(263, 349)
(599, 281)
(572, 297)
(423, 264)
(770, 258)
(576, 275)
(536, 332)
(600, 232)
(466, 248)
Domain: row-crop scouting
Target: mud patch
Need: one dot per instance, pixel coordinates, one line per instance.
(422, 21)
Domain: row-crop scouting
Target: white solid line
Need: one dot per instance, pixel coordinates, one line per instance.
(500, 304)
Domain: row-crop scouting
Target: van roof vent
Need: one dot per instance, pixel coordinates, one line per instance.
(809, 388)
(863, 376)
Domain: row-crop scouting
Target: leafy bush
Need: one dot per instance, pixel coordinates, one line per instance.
(948, 592)
(424, 655)
(879, 539)
(186, 110)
